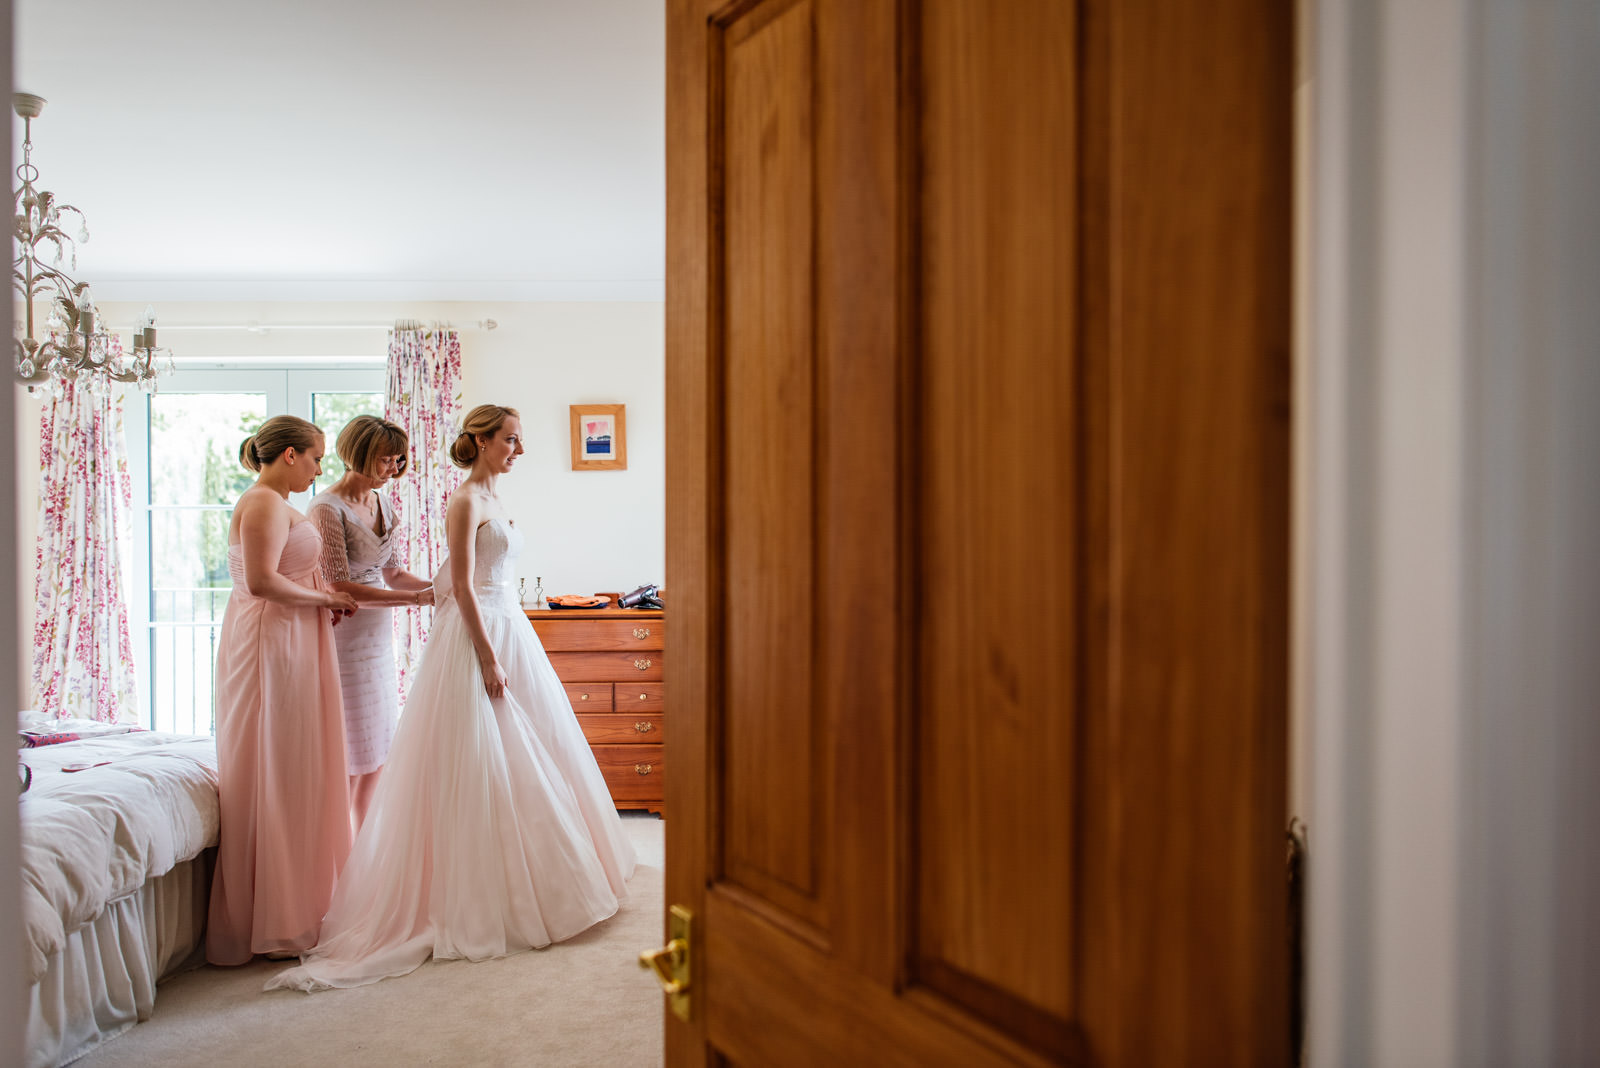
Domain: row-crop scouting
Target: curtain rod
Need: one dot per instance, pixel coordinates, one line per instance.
(265, 328)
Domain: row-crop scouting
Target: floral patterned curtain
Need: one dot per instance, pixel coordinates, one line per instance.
(425, 398)
(82, 655)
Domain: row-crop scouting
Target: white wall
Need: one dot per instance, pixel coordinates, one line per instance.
(586, 532)
(11, 982)
(1531, 859)
(1455, 523)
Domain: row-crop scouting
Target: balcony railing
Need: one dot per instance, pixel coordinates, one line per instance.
(183, 657)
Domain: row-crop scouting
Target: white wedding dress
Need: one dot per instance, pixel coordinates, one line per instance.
(491, 830)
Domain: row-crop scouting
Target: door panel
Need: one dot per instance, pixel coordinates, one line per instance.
(977, 516)
(996, 705)
(774, 776)
(1185, 379)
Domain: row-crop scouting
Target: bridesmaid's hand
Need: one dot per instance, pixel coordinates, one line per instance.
(425, 596)
(494, 679)
(342, 605)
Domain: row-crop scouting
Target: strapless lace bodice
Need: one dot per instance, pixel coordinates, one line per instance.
(495, 550)
(498, 546)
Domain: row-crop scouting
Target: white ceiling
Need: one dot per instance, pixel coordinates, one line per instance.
(354, 149)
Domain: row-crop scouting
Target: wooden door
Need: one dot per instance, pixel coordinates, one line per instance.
(977, 514)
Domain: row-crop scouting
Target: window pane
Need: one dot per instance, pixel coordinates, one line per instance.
(194, 446)
(188, 551)
(195, 478)
(331, 411)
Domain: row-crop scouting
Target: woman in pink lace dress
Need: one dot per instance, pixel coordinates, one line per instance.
(280, 723)
(361, 545)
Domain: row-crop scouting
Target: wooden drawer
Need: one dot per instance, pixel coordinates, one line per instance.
(632, 772)
(590, 696)
(614, 728)
(639, 697)
(569, 635)
(643, 665)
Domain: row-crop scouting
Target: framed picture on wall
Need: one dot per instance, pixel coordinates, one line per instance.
(599, 437)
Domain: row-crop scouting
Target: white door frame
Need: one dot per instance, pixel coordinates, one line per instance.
(1450, 532)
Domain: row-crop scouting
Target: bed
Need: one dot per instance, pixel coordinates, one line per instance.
(119, 827)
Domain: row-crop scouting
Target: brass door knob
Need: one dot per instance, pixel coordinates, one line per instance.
(666, 962)
(671, 963)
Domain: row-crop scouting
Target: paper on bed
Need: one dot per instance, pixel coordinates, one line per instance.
(93, 836)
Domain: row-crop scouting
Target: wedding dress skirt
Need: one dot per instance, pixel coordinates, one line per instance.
(491, 830)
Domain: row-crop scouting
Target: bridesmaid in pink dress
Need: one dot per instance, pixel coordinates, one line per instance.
(280, 722)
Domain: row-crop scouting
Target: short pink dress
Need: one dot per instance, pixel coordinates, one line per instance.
(280, 766)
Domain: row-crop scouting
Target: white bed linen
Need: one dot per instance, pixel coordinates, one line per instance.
(95, 836)
(103, 980)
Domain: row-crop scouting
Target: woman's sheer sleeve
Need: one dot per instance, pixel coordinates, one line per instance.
(335, 557)
(397, 541)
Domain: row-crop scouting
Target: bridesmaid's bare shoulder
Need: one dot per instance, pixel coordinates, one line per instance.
(258, 505)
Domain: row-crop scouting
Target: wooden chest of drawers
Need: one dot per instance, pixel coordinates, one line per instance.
(610, 662)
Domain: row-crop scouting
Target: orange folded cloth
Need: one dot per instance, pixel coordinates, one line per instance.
(577, 600)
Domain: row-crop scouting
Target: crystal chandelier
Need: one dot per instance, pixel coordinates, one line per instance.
(75, 346)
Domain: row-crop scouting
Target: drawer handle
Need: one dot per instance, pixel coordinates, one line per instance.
(643, 663)
(644, 726)
(641, 633)
(644, 769)
(644, 697)
(583, 697)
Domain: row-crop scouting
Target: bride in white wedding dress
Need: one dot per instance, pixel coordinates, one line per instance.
(491, 830)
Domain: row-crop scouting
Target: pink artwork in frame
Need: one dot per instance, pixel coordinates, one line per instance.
(599, 437)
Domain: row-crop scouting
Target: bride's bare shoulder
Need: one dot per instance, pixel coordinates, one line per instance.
(466, 506)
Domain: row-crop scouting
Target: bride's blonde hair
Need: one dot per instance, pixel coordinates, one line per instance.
(485, 419)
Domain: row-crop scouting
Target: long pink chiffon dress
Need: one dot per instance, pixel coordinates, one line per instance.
(280, 766)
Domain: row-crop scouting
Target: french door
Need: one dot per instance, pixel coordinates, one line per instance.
(183, 459)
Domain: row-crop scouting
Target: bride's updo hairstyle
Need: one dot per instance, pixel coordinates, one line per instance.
(276, 435)
(485, 420)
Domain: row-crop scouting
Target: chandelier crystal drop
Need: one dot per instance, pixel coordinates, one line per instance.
(75, 346)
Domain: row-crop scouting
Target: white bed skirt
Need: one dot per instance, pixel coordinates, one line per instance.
(103, 981)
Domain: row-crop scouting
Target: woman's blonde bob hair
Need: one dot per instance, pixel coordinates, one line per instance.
(276, 436)
(366, 439)
(485, 420)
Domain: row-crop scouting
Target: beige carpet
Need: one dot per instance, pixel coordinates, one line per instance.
(580, 1002)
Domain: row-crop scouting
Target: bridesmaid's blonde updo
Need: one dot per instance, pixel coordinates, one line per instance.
(276, 435)
(366, 439)
(485, 420)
